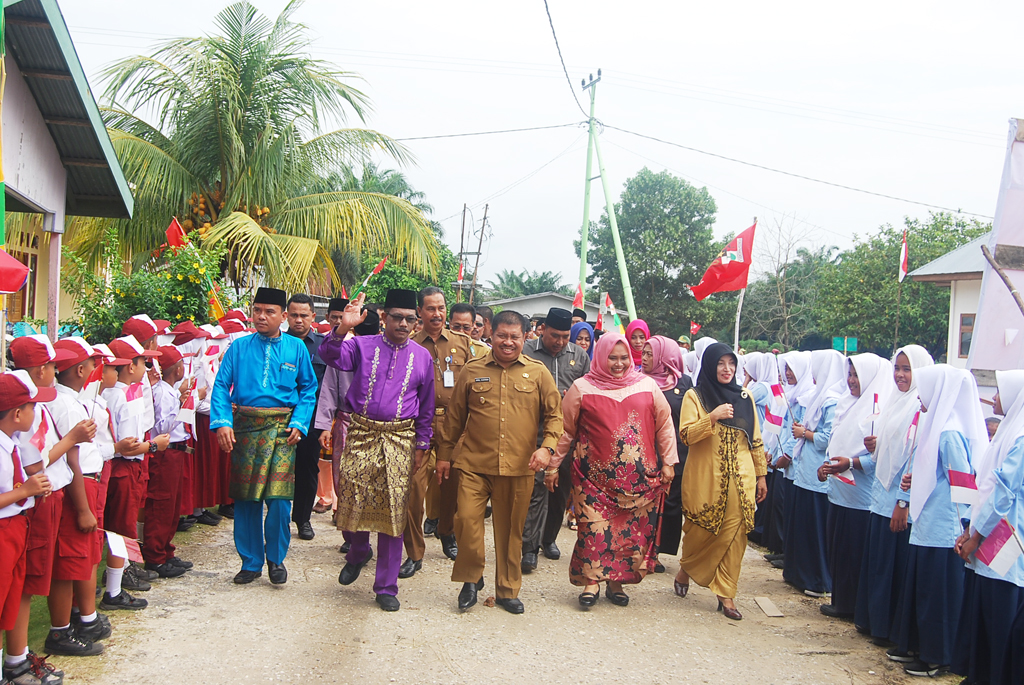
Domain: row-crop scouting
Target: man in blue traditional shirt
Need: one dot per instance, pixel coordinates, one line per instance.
(269, 379)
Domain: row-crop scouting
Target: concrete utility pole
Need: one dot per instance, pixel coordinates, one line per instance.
(479, 249)
(594, 146)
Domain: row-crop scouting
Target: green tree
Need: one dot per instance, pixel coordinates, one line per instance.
(510, 284)
(235, 147)
(665, 225)
(857, 294)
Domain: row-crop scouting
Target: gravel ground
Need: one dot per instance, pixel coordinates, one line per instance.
(201, 628)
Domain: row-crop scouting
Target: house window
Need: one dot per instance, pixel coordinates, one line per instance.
(22, 304)
(966, 333)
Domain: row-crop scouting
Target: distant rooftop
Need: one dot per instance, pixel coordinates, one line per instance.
(965, 263)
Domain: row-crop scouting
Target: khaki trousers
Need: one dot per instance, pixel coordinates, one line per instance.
(415, 545)
(510, 500)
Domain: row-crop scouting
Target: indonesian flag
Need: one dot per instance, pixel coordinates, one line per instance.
(92, 384)
(38, 439)
(600, 322)
(345, 294)
(730, 269)
(997, 551)
(187, 412)
(136, 399)
(122, 547)
(694, 327)
(176, 234)
(213, 350)
(376, 270)
(912, 429)
(615, 316)
(847, 476)
(903, 257)
(963, 489)
(875, 410)
(779, 399)
(772, 422)
(460, 273)
(577, 301)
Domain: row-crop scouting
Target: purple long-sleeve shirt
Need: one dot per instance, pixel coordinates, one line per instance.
(389, 382)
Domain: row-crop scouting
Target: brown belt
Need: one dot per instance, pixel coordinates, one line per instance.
(439, 411)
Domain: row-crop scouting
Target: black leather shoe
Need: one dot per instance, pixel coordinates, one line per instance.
(429, 527)
(226, 511)
(167, 570)
(467, 597)
(208, 518)
(350, 572)
(512, 605)
(180, 563)
(184, 523)
(244, 577)
(774, 557)
(552, 552)
(831, 612)
(306, 531)
(277, 572)
(345, 547)
(449, 546)
(388, 602)
(529, 563)
(779, 563)
(409, 568)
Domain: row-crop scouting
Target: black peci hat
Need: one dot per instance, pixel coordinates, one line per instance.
(337, 304)
(400, 299)
(271, 296)
(580, 313)
(559, 319)
(370, 325)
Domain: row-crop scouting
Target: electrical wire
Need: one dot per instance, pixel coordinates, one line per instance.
(566, 71)
(795, 175)
(488, 133)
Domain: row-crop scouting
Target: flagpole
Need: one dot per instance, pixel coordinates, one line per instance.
(585, 229)
(896, 334)
(736, 331)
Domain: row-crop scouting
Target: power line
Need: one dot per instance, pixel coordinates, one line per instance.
(800, 176)
(566, 71)
(488, 133)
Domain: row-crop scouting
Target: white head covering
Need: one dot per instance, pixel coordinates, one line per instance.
(828, 367)
(765, 369)
(690, 359)
(951, 398)
(893, 449)
(854, 414)
(749, 362)
(1011, 396)
(800, 364)
(699, 347)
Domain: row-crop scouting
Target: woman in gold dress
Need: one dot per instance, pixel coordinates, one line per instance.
(723, 481)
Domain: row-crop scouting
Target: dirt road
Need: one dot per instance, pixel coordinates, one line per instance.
(202, 628)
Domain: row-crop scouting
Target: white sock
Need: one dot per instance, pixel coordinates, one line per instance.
(56, 628)
(90, 618)
(114, 581)
(13, 660)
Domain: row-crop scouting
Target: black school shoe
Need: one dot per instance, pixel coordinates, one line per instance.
(122, 601)
(388, 602)
(510, 604)
(180, 563)
(226, 511)
(26, 673)
(43, 670)
(65, 643)
(166, 570)
(141, 572)
(131, 581)
(208, 518)
(409, 568)
(185, 522)
(277, 573)
(921, 669)
(429, 527)
(98, 630)
(244, 577)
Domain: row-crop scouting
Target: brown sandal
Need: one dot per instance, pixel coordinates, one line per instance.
(680, 588)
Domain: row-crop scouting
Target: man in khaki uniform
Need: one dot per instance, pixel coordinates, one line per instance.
(450, 352)
(499, 403)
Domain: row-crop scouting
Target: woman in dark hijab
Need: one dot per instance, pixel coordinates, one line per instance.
(723, 480)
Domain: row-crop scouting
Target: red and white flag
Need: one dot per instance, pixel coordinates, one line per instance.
(577, 302)
(875, 410)
(963, 489)
(730, 269)
(772, 422)
(460, 273)
(694, 327)
(847, 476)
(93, 384)
(912, 429)
(187, 412)
(136, 399)
(123, 547)
(38, 439)
(903, 257)
(999, 551)
(779, 401)
(176, 234)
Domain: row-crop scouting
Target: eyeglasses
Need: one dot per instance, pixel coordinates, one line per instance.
(460, 328)
(411, 320)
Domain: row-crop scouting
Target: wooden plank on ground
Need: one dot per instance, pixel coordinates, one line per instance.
(768, 607)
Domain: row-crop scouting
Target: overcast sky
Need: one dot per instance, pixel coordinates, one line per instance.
(908, 99)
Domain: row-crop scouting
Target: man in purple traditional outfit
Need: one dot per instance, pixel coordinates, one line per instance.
(391, 406)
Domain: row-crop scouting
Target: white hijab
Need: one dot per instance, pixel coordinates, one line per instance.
(854, 414)
(1011, 396)
(749, 362)
(699, 347)
(893, 449)
(800, 364)
(828, 368)
(764, 368)
(951, 398)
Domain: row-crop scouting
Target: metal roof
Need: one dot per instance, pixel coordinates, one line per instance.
(962, 264)
(39, 42)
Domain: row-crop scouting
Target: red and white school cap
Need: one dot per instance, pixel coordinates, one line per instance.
(169, 355)
(236, 314)
(230, 326)
(109, 357)
(76, 346)
(16, 388)
(215, 332)
(141, 326)
(129, 348)
(35, 350)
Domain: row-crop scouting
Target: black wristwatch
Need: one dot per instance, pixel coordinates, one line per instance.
(152, 447)
(551, 451)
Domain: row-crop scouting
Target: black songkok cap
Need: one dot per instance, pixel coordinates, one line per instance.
(559, 319)
(370, 326)
(271, 296)
(337, 304)
(580, 313)
(400, 299)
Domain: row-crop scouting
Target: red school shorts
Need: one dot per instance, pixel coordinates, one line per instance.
(77, 552)
(43, 524)
(13, 535)
(101, 505)
(126, 493)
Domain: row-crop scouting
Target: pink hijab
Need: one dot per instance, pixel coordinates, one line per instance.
(600, 375)
(668, 361)
(634, 325)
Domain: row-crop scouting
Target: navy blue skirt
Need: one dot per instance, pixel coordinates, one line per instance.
(847, 533)
(806, 560)
(1013, 663)
(929, 605)
(988, 611)
(775, 520)
(762, 513)
(883, 570)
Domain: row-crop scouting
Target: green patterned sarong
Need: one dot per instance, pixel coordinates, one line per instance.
(262, 463)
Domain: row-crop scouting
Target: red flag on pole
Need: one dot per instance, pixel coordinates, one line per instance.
(460, 272)
(730, 269)
(903, 257)
(343, 293)
(176, 234)
(577, 301)
(694, 327)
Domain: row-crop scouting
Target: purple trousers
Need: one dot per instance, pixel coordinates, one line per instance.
(389, 558)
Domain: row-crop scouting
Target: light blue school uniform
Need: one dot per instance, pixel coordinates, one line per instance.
(1006, 501)
(854, 496)
(812, 455)
(884, 501)
(938, 524)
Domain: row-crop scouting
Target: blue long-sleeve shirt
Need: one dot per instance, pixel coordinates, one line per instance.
(884, 501)
(258, 371)
(762, 398)
(788, 442)
(939, 525)
(813, 453)
(1006, 501)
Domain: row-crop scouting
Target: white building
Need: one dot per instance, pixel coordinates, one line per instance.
(538, 305)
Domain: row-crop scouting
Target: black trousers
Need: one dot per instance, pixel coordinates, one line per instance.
(307, 476)
(672, 516)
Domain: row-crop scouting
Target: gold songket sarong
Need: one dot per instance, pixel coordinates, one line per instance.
(262, 462)
(376, 466)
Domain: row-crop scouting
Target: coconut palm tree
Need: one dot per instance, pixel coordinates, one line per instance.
(235, 145)
(510, 284)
